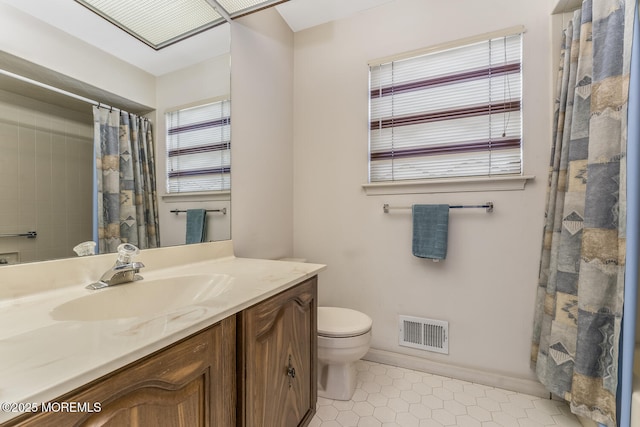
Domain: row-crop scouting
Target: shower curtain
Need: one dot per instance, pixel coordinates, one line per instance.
(581, 282)
(127, 202)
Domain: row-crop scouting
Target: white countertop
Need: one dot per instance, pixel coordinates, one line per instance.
(47, 351)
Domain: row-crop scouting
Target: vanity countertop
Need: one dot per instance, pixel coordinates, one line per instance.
(47, 351)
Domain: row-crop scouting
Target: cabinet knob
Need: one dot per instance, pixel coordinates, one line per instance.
(291, 371)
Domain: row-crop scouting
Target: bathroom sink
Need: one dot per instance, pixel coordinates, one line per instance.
(145, 297)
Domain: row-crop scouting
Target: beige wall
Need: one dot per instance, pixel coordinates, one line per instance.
(46, 159)
(486, 286)
(261, 130)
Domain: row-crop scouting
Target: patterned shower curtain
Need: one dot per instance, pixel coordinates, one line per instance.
(581, 283)
(127, 202)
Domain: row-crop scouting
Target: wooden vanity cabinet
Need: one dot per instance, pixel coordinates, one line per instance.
(189, 384)
(255, 369)
(277, 356)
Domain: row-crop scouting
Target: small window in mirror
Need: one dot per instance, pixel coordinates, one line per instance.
(199, 148)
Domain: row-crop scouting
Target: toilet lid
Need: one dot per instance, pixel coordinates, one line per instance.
(342, 322)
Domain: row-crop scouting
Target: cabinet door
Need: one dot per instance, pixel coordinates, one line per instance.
(277, 381)
(190, 384)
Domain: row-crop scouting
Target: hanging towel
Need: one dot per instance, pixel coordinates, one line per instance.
(430, 231)
(196, 225)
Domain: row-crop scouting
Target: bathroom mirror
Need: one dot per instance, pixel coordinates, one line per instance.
(46, 137)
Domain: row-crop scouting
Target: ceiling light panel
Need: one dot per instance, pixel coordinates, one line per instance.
(157, 23)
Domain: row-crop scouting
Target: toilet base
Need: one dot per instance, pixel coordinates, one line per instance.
(336, 381)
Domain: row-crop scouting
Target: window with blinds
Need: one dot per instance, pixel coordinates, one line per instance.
(199, 148)
(448, 113)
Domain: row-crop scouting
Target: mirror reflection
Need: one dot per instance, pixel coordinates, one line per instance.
(49, 187)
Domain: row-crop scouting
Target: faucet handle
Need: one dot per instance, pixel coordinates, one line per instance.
(126, 253)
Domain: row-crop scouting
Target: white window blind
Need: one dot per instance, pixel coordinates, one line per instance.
(448, 113)
(199, 148)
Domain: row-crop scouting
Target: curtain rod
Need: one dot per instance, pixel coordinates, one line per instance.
(57, 90)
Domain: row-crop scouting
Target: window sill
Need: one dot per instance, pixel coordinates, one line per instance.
(197, 196)
(448, 185)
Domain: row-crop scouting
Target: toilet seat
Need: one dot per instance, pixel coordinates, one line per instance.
(337, 322)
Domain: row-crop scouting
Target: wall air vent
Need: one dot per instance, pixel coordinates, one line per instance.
(424, 334)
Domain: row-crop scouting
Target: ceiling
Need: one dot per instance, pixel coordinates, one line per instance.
(75, 19)
(303, 14)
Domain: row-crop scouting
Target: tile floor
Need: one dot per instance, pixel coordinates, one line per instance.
(388, 396)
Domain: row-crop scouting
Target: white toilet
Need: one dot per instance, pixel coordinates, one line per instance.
(344, 336)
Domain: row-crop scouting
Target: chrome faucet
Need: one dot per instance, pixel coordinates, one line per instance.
(123, 271)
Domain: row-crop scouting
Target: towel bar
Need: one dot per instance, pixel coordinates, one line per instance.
(223, 211)
(488, 206)
(28, 235)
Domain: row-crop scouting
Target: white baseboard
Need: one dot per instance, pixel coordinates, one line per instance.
(520, 385)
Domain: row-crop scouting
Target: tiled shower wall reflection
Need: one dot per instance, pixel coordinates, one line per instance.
(45, 178)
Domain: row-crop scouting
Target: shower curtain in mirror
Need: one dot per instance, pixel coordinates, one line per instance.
(581, 283)
(127, 202)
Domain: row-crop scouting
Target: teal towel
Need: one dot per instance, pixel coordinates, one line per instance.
(196, 225)
(430, 231)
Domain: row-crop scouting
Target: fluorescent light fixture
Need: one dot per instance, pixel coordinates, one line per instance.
(160, 23)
